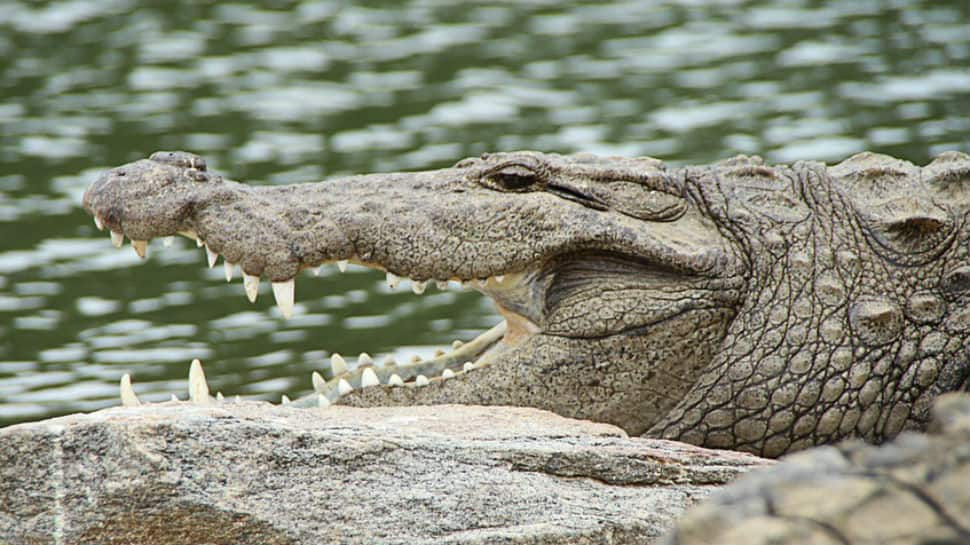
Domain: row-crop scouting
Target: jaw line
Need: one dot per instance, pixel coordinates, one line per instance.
(464, 358)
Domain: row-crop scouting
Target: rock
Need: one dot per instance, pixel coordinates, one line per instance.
(915, 489)
(255, 473)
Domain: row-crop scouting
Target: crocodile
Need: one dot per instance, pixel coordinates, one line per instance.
(742, 305)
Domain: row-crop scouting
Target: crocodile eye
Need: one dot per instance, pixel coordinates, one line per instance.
(514, 178)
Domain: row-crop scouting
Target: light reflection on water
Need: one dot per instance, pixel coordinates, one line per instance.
(311, 89)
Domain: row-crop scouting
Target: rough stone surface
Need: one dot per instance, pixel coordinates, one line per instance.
(177, 473)
(914, 490)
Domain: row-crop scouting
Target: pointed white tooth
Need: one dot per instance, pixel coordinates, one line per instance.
(251, 283)
(338, 365)
(174, 397)
(468, 366)
(389, 361)
(456, 344)
(319, 385)
(438, 352)
(441, 284)
(421, 380)
(283, 291)
(117, 239)
(322, 401)
(418, 286)
(168, 241)
(98, 223)
(447, 373)
(499, 278)
(198, 388)
(369, 378)
(219, 397)
(481, 282)
(416, 359)
(237, 399)
(141, 247)
(211, 256)
(395, 380)
(364, 359)
(199, 243)
(392, 280)
(344, 387)
(230, 268)
(316, 271)
(128, 397)
(285, 400)
(342, 265)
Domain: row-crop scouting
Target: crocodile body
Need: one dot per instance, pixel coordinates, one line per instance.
(734, 305)
(912, 490)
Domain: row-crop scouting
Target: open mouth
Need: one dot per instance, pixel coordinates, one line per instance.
(343, 378)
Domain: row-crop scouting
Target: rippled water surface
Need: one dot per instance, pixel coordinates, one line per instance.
(305, 90)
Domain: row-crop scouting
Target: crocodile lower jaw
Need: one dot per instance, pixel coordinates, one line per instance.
(464, 357)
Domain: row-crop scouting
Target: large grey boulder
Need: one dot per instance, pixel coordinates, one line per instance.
(913, 490)
(240, 473)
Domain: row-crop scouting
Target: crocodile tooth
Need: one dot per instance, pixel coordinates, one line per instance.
(499, 278)
(229, 268)
(319, 385)
(421, 380)
(251, 283)
(283, 291)
(395, 380)
(168, 241)
(441, 284)
(117, 239)
(211, 256)
(237, 399)
(369, 378)
(389, 361)
(322, 401)
(338, 365)
(219, 397)
(342, 265)
(344, 387)
(447, 373)
(468, 366)
(438, 352)
(481, 282)
(418, 286)
(456, 344)
(284, 399)
(316, 270)
(416, 359)
(199, 243)
(198, 388)
(364, 359)
(141, 247)
(128, 397)
(174, 397)
(392, 280)
(98, 223)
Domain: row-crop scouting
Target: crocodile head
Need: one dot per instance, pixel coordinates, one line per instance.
(734, 305)
(615, 285)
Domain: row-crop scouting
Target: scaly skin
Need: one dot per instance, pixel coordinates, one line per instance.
(736, 305)
(912, 490)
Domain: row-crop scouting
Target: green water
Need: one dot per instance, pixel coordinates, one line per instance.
(303, 90)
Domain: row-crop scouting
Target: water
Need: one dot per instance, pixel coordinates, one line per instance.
(305, 90)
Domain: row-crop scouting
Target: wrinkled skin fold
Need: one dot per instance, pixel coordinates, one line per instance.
(735, 305)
